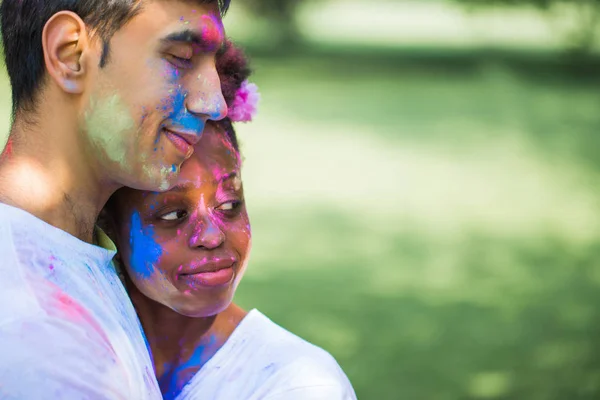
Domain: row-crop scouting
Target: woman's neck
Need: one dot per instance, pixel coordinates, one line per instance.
(181, 345)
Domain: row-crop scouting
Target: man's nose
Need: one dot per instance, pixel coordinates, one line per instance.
(205, 97)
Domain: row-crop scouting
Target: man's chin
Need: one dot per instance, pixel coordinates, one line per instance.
(159, 180)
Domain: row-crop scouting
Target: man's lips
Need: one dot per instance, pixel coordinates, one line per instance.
(184, 142)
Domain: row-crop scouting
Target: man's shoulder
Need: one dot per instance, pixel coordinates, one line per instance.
(17, 299)
(60, 314)
(43, 354)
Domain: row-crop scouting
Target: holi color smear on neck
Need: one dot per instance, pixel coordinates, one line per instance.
(145, 252)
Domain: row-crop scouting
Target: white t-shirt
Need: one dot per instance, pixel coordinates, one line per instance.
(261, 360)
(67, 327)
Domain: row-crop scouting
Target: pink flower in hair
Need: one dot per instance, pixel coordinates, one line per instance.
(244, 106)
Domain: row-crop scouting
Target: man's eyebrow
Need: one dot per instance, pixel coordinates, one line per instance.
(193, 37)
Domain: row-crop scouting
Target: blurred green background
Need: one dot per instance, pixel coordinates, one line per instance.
(423, 181)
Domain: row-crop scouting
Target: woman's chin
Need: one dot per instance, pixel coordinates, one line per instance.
(196, 308)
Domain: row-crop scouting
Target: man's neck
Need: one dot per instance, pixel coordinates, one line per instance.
(40, 175)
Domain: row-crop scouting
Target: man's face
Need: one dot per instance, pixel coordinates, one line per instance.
(149, 104)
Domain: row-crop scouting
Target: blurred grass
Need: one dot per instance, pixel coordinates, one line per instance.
(431, 220)
(429, 217)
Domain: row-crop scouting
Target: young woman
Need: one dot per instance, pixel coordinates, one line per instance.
(184, 253)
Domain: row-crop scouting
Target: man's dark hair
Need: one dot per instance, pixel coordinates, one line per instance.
(22, 23)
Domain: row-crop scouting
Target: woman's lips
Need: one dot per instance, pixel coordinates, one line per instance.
(217, 278)
(208, 272)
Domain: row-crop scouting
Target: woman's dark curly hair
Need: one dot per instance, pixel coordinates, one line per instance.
(233, 69)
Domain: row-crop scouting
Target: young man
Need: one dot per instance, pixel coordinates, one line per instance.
(105, 94)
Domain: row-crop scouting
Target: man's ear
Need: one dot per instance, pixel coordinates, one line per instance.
(65, 42)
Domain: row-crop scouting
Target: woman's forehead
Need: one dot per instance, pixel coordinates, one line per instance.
(214, 147)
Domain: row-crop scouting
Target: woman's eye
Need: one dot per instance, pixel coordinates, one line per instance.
(229, 206)
(173, 215)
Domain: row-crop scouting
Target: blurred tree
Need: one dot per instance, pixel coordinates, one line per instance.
(280, 13)
(581, 39)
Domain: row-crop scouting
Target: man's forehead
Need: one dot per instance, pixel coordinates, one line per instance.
(220, 6)
(207, 33)
(177, 21)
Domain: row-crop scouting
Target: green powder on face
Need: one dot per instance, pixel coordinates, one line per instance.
(109, 125)
(161, 176)
(165, 174)
(164, 184)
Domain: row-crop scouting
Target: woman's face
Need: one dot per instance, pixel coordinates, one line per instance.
(187, 248)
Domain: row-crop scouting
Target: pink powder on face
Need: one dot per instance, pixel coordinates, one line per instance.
(7, 149)
(212, 32)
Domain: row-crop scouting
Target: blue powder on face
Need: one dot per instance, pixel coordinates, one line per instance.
(175, 106)
(145, 252)
(174, 168)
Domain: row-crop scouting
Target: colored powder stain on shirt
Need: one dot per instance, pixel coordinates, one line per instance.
(269, 367)
(180, 377)
(145, 252)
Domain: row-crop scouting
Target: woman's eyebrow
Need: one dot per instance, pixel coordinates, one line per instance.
(227, 176)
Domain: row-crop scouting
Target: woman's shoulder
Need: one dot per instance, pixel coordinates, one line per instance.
(262, 360)
(284, 345)
(293, 365)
